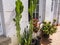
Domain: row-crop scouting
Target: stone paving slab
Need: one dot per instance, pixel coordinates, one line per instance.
(56, 37)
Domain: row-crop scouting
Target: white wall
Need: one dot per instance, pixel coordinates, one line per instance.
(1, 19)
(9, 14)
(48, 14)
(1, 29)
(59, 19)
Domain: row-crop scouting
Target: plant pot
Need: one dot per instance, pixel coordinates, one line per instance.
(45, 35)
(33, 42)
(36, 41)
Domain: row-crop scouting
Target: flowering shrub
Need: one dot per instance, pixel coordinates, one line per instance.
(35, 26)
(35, 22)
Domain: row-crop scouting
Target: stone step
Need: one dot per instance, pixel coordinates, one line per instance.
(4, 40)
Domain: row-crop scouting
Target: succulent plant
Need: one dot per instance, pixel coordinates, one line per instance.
(31, 9)
(18, 9)
(48, 28)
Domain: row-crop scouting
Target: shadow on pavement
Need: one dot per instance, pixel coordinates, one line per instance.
(45, 41)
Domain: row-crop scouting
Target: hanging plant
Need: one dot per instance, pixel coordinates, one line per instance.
(18, 9)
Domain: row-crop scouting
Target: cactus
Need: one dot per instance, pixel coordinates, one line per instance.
(18, 9)
(31, 9)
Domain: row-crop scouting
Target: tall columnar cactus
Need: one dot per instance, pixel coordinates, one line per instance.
(31, 9)
(17, 19)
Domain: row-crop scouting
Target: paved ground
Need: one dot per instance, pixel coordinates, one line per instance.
(54, 39)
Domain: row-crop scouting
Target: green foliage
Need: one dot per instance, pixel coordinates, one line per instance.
(31, 9)
(25, 38)
(18, 10)
(32, 6)
(35, 28)
(48, 28)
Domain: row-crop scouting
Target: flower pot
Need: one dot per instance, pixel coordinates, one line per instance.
(45, 35)
(36, 41)
(33, 42)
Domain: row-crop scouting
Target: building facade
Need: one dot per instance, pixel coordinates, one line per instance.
(46, 10)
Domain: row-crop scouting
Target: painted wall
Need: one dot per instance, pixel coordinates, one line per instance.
(45, 12)
(48, 13)
(9, 14)
(2, 25)
(42, 7)
(1, 29)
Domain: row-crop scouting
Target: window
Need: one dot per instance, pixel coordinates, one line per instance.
(36, 12)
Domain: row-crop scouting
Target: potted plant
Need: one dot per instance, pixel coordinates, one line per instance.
(48, 29)
(36, 34)
(18, 9)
